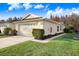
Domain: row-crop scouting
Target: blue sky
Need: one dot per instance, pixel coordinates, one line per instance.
(42, 9)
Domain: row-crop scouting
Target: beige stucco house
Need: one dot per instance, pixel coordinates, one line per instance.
(31, 21)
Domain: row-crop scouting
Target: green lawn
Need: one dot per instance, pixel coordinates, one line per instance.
(61, 46)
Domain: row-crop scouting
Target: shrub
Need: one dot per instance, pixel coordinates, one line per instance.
(7, 31)
(38, 33)
(68, 30)
(65, 30)
(71, 28)
(14, 32)
(76, 31)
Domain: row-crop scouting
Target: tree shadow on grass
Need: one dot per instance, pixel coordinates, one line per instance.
(67, 37)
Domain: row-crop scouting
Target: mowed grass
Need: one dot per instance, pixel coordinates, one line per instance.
(62, 46)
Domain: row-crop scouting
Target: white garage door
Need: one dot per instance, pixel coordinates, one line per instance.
(2, 28)
(25, 30)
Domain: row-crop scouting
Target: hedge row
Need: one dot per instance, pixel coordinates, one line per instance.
(9, 31)
(68, 30)
(38, 33)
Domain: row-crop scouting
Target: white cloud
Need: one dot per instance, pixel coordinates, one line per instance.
(49, 12)
(13, 6)
(18, 6)
(27, 6)
(39, 6)
(62, 12)
(57, 12)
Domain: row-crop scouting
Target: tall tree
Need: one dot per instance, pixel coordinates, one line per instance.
(15, 19)
(9, 19)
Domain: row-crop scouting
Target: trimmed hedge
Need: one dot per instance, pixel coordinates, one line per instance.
(38, 33)
(7, 31)
(68, 30)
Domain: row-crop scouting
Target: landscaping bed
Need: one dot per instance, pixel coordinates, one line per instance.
(4, 36)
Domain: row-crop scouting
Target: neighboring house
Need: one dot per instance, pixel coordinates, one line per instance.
(31, 21)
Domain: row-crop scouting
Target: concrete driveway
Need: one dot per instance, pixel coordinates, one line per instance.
(8, 41)
(12, 40)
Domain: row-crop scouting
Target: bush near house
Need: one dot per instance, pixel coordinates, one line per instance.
(68, 30)
(38, 33)
(7, 31)
(14, 32)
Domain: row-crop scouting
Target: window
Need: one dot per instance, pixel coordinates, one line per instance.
(57, 28)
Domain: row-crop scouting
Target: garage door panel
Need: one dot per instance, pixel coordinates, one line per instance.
(25, 30)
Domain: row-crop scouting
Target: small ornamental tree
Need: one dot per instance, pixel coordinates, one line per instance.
(14, 32)
(38, 33)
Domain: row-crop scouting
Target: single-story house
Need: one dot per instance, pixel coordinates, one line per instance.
(32, 21)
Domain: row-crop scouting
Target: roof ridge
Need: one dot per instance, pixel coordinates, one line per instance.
(31, 16)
